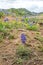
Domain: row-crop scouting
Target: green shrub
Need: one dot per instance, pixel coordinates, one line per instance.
(33, 27)
(1, 27)
(7, 25)
(23, 52)
(1, 14)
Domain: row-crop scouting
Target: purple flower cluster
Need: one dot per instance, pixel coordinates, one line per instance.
(23, 38)
(6, 19)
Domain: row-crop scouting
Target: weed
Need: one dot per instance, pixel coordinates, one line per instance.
(23, 52)
(37, 33)
(18, 61)
(1, 38)
(11, 36)
(34, 27)
(39, 38)
(40, 48)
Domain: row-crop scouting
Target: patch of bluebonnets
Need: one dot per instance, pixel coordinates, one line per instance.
(23, 38)
(6, 19)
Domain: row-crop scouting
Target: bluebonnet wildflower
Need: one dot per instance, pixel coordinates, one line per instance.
(23, 38)
(6, 19)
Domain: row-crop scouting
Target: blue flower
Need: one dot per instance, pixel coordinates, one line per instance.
(6, 19)
(23, 38)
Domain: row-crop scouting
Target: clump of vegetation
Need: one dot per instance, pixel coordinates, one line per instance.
(1, 27)
(11, 36)
(33, 27)
(34, 19)
(23, 52)
(37, 33)
(18, 61)
(39, 38)
(1, 38)
(17, 25)
(1, 14)
(40, 48)
(26, 20)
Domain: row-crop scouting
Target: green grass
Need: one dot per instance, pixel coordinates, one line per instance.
(1, 38)
(17, 25)
(23, 52)
(11, 36)
(34, 27)
(40, 48)
(39, 38)
(6, 27)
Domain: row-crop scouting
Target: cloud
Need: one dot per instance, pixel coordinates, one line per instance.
(32, 5)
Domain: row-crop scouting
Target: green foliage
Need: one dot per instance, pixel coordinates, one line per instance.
(1, 14)
(39, 38)
(1, 27)
(26, 20)
(40, 48)
(23, 52)
(4, 34)
(7, 25)
(1, 38)
(11, 36)
(34, 19)
(37, 33)
(20, 11)
(33, 27)
(19, 61)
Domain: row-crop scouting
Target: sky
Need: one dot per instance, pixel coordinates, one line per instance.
(31, 5)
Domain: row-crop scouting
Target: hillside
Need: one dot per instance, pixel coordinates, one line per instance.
(21, 39)
(13, 51)
(20, 11)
